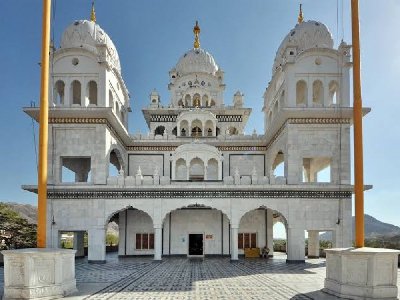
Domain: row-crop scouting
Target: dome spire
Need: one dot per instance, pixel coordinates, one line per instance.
(93, 14)
(196, 31)
(300, 17)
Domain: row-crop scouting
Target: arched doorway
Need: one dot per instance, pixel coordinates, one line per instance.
(196, 230)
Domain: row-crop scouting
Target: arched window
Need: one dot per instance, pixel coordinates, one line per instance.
(175, 131)
(196, 170)
(209, 128)
(180, 169)
(197, 128)
(212, 103)
(205, 101)
(187, 100)
(115, 164)
(184, 128)
(180, 103)
(278, 166)
(76, 92)
(59, 88)
(196, 100)
(318, 92)
(333, 92)
(123, 117)
(212, 169)
(117, 112)
(111, 100)
(301, 93)
(159, 130)
(92, 92)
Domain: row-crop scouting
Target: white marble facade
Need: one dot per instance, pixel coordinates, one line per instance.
(196, 172)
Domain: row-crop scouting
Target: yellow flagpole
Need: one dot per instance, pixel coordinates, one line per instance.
(357, 116)
(43, 127)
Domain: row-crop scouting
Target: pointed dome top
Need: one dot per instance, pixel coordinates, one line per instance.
(90, 36)
(305, 35)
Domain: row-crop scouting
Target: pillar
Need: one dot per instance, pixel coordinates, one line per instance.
(295, 245)
(270, 231)
(234, 242)
(97, 245)
(79, 244)
(313, 244)
(157, 242)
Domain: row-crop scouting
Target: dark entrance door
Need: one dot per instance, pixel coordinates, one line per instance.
(195, 244)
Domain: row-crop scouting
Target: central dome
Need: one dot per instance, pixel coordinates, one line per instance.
(196, 61)
(89, 35)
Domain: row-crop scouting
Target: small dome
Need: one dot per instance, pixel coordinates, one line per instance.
(88, 35)
(306, 35)
(196, 61)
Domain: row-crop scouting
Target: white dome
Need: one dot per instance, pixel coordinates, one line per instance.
(88, 35)
(196, 61)
(306, 35)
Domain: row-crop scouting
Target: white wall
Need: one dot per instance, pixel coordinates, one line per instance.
(184, 222)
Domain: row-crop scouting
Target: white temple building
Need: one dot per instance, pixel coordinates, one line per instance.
(197, 185)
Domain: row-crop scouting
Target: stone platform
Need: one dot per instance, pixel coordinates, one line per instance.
(211, 278)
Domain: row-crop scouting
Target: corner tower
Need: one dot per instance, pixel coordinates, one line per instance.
(307, 106)
(89, 103)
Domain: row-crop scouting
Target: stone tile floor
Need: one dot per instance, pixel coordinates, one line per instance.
(211, 278)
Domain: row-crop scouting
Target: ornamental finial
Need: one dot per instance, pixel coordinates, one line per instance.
(93, 14)
(300, 17)
(196, 31)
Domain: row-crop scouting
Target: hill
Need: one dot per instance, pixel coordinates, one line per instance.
(373, 229)
(29, 212)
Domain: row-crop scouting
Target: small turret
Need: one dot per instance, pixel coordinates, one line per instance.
(154, 99)
(238, 100)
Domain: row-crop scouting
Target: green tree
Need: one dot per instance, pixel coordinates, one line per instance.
(14, 230)
(111, 239)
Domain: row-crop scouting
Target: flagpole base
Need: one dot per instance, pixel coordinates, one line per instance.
(39, 273)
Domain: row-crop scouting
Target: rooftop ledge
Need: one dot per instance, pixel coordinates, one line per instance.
(198, 186)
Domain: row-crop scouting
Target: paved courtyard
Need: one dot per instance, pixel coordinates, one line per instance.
(211, 278)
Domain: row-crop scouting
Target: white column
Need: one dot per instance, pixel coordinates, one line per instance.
(295, 245)
(187, 170)
(234, 242)
(270, 232)
(121, 232)
(157, 242)
(220, 170)
(79, 244)
(205, 171)
(97, 245)
(309, 92)
(313, 244)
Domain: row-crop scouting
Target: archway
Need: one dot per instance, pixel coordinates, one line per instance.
(318, 92)
(196, 169)
(257, 230)
(136, 233)
(196, 230)
(181, 169)
(301, 93)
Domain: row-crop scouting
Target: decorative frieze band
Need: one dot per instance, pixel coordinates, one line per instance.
(163, 118)
(229, 118)
(197, 194)
(78, 121)
(318, 121)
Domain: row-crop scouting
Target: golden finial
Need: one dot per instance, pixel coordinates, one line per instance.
(300, 17)
(93, 13)
(196, 31)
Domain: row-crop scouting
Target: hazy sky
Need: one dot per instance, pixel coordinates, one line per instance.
(243, 37)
